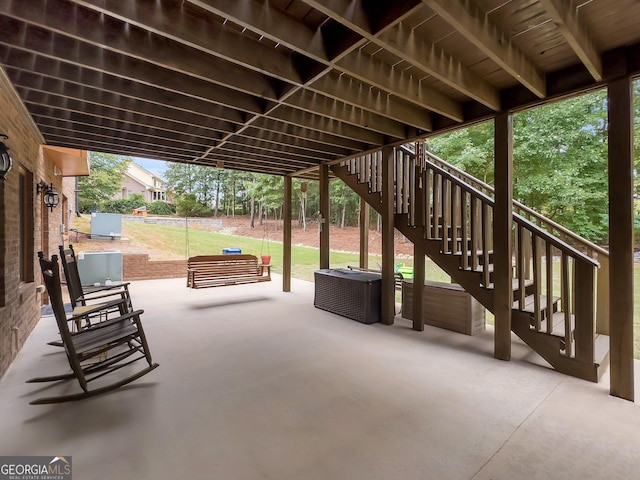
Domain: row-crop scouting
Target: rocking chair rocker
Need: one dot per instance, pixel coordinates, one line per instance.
(96, 351)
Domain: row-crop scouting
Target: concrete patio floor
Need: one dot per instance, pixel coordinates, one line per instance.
(254, 383)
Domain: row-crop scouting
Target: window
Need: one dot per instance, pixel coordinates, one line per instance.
(26, 191)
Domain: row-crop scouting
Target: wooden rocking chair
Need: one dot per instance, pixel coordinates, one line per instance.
(96, 351)
(91, 304)
(81, 295)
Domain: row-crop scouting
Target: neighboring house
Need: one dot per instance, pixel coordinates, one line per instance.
(139, 180)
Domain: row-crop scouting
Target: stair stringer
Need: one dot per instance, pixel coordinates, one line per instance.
(547, 346)
(470, 281)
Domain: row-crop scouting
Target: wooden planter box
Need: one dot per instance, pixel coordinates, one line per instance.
(446, 305)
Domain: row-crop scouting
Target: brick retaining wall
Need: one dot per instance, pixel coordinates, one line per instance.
(139, 267)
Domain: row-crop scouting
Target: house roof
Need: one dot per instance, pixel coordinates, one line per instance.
(280, 86)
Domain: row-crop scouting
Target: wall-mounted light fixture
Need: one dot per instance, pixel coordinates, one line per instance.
(50, 197)
(5, 159)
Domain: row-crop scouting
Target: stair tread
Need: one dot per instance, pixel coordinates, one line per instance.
(514, 284)
(529, 303)
(478, 252)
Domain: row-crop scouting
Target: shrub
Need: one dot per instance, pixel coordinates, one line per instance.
(161, 208)
(188, 206)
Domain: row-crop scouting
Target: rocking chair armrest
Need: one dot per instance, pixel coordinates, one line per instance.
(89, 296)
(84, 312)
(104, 288)
(97, 326)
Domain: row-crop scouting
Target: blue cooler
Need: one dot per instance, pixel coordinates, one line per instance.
(228, 251)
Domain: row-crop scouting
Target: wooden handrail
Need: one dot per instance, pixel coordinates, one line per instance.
(480, 185)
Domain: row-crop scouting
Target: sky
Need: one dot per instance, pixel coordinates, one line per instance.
(156, 167)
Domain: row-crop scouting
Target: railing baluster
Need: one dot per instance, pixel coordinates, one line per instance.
(446, 210)
(427, 176)
(565, 301)
(485, 244)
(520, 265)
(398, 182)
(437, 205)
(463, 229)
(549, 288)
(537, 280)
(474, 232)
(417, 204)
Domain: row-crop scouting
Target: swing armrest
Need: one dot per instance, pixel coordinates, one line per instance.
(265, 268)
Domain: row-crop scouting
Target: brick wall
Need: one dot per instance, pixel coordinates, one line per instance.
(139, 267)
(19, 302)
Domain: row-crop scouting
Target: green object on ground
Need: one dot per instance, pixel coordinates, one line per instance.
(404, 271)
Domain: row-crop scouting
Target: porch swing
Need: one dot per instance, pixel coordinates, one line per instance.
(208, 271)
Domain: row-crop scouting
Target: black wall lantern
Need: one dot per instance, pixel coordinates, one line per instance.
(50, 197)
(5, 159)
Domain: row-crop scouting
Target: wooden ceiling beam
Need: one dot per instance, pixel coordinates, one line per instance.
(114, 128)
(349, 62)
(275, 25)
(272, 125)
(406, 87)
(117, 149)
(52, 88)
(123, 138)
(60, 52)
(326, 125)
(432, 60)
(74, 113)
(378, 102)
(400, 41)
(200, 33)
(330, 108)
(575, 32)
(304, 143)
(474, 25)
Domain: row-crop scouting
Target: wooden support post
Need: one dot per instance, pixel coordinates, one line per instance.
(418, 282)
(364, 234)
(502, 218)
(620, 98)
(324, 215)
(388, 280)
(286, 237)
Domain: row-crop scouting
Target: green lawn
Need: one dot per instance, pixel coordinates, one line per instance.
(173, 243)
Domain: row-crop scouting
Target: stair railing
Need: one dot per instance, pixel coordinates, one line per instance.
(553, 281)
(592, 250)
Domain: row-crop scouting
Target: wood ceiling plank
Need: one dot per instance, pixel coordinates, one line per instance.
(575, 32)
(340, 86)
(400, 41)
(61, 96)
(329, 108)
(475, 26)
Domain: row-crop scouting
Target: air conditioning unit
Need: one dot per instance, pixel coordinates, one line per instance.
(106, 225)
(98, 267)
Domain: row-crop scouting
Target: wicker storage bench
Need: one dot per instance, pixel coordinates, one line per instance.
(349, 293)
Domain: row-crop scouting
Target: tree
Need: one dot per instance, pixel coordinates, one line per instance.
(105, 179)
(345, 201)
(560, 160)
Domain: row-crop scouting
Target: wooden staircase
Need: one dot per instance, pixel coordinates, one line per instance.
(451, 215)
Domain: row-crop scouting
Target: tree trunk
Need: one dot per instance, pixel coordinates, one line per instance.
(344, 212)
(253, 212)
(217, 196)
(304, 218)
